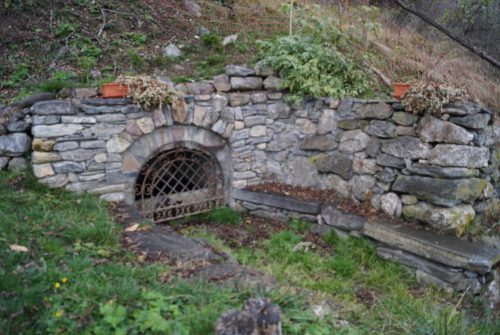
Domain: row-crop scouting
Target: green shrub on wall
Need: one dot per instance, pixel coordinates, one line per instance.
(314, 69)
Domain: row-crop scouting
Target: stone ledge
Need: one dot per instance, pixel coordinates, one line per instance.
(444, 249)
(107, 102)
(278, 201)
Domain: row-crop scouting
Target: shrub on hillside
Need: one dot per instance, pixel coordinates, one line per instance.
(311, 68)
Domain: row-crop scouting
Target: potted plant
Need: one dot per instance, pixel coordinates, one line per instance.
(147, 91)
(427, 97)
(114, 90)
(400, 89)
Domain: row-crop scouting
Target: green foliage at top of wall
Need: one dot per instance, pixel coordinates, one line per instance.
(313, 69)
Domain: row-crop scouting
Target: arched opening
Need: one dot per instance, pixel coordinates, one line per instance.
(178, 182)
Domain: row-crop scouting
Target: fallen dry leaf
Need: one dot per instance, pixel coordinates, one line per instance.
(18, 248)
(133, 227)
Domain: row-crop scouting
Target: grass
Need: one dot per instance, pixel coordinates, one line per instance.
(399, 305)
(76, 278)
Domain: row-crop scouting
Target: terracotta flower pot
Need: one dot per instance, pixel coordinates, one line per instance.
(114, 90)
(400, 89)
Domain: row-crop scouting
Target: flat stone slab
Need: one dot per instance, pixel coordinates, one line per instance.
(235, 277)
(444, 249)
(447, 274)
(337, 218)
(107, 102)
(160, 242)
(278, 201)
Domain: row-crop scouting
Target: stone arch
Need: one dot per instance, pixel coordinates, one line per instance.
(163, 139)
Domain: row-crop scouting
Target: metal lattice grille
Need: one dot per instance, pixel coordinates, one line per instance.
(179, 182)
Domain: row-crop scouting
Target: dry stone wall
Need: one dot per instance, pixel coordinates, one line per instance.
(439, 171)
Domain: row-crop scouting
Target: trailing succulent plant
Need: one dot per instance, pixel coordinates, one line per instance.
(430, 98)
(149, 92)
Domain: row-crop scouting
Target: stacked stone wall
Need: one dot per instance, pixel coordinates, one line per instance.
(440, 171)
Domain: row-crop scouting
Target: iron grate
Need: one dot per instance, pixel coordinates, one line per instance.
(179, 182)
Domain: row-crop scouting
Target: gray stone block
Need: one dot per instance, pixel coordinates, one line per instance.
(106, 102)
(390, 161)
(318, 143)
(18, 126)
(46, 119)
(278, 201)
(34, 98)
(459, 156)
(246, 83)
(444, 192)
(444, 249)
(239, 71)
(337, 163)
(378, 110)
(477, 121)
(56, 130)
(335, 217)
(432, 129)
(441, 172)
(404, 119)
(382, 129)
(67, 167)
(54, 107)
(447, 274)
(14, 144)
(406, 147)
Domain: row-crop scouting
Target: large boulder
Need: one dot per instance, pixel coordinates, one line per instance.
(449, 219)
(459, 156)
(432, 129)
(444, 192)
(14, 144)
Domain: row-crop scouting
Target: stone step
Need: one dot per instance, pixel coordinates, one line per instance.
(160, 243)
(444, 249)
(278, 201)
